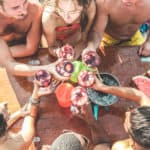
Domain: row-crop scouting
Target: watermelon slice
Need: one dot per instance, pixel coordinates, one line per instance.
(142, 83)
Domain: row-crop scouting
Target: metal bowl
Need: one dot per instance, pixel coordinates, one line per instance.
(101, 98)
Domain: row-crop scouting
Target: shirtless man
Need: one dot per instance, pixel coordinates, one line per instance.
(20, 33)
(23, 139)
(67, 21)
(120, 20)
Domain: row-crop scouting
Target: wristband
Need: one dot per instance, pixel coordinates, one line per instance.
(34, 101)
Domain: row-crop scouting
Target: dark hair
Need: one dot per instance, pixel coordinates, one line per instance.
(1, 2)
(3, 125)
(66, 142)
(140, 126)
(84, 16)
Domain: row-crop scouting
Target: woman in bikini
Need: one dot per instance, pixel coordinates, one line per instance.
(67, 22)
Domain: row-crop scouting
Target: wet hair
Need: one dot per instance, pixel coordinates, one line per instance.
(84, 16)
(140, 126)
(66, 142)
(3, 125)
(1, 2)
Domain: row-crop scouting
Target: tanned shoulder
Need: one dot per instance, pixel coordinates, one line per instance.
(102, 5)
(35, 8)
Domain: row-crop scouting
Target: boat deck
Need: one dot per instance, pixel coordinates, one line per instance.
(124, 63)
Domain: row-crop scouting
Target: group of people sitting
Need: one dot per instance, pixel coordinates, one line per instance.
(87, 25)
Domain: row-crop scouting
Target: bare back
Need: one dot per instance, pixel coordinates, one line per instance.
(12, 30)
(124, 21)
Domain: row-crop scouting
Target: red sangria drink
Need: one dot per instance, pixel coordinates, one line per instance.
(65, 68)
(43, 78)
(79, 96)
(66, 52)
(91, 58)
(86, 78)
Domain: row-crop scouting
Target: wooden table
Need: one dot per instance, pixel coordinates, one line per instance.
(124, 63)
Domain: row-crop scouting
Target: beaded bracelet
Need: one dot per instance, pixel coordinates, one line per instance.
(34, 101)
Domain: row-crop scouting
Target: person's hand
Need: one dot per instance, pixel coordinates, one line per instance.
(98, 84)
(85, 113)
(24, 111)
(38, 92)
(144, 49)
(52, 69)
(86, 50)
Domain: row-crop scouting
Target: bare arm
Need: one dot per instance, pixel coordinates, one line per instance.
(13, 67)
(20, 69)
(91, 11)
(17, 115)
(32, 39)
(49, 24)
(124, 92)
(99, 26)
(28, 128)
(13, 118)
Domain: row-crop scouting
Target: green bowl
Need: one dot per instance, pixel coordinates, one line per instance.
(78, 67)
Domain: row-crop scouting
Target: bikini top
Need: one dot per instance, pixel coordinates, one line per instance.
(66, 31)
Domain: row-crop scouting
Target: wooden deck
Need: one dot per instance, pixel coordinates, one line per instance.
(121, 62)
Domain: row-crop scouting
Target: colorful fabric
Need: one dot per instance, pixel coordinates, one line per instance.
(136, 40)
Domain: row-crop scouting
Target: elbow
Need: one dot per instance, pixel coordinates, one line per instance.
(31, 51)
(10, 67)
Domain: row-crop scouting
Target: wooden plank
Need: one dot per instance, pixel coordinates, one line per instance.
(7, 92)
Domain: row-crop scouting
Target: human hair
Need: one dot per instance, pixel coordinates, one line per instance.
(140, 126)
(84, 16)
(1, 2)
(3, 125)
(66, 142)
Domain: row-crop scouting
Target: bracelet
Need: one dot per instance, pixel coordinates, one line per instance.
(34, 101)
